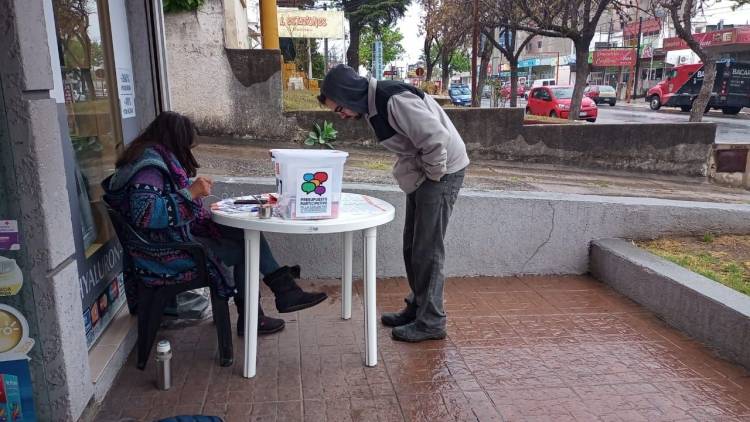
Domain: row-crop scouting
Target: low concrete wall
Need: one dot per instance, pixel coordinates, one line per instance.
(730, 170)
(499, 133)
(507, 233)
(703, 308)
(226, 92)
(682, 149)
(479, 127)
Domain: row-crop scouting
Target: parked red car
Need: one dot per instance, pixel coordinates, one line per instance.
(554, 101)
(520, 90)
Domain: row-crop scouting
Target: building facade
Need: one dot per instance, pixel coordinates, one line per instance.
(79, 80)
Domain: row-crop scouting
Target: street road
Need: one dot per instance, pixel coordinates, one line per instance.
(730, 129)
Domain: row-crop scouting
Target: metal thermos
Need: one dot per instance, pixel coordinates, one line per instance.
(163, 365)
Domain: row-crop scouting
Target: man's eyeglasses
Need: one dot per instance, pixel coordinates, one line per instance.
(338, 109)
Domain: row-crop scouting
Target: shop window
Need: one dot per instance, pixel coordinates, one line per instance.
(89, 103)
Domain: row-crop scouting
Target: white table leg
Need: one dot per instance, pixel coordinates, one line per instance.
(252, 286)
(346, 278)
(371, 329)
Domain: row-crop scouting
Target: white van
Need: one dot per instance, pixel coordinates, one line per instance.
(543, 82)
(539, 82)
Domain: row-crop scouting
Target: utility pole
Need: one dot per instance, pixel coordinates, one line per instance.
(325, 46)
(474, 52)
(637, 59)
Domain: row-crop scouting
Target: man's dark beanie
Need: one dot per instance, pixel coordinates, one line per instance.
(345, 87)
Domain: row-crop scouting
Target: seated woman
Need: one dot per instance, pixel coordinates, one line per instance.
(150, 189)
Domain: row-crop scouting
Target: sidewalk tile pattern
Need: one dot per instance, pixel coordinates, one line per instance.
(518, 349)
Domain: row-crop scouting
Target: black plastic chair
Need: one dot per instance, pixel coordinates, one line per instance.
(151, 301)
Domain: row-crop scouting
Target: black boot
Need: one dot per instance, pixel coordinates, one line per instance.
(266, 324)
(289, 296)
(402, 317)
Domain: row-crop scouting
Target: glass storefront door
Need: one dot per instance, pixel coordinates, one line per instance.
(94, 135)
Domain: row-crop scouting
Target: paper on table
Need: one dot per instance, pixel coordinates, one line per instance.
(229, 207)
(359, 205)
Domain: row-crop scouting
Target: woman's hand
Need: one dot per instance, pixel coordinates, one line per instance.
(201, 187)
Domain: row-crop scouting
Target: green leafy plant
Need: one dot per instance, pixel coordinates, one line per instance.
(708, 238)
(323, 136)
(171, 6)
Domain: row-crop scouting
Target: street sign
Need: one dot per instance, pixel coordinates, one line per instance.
(377, 59)
(420, 71)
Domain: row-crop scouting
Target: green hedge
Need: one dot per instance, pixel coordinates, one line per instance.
(182, 5)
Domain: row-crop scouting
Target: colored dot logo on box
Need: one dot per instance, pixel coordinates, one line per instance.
(313, 182)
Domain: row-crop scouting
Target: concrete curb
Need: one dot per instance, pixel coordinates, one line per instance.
(704, 309)
(505, 233)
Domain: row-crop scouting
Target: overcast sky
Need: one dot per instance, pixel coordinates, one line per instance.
(409, 27)
(413, 42)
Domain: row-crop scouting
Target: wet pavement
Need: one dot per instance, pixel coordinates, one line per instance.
(518, 349)
(222, 157)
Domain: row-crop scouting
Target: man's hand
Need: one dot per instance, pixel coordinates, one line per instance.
(201, 187)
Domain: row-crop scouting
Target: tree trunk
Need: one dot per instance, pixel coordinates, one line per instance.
(428, 71)
(704, 96)
(445, 67)
(476, 100)
(582, 73)
(514, 82)
(429, 64)
(352, 53)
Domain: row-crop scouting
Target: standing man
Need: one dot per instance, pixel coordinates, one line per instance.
(430, 170)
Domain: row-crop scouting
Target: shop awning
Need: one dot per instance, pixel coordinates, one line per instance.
(724, 40)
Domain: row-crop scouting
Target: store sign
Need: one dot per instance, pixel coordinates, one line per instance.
(528, 63)
(614, 57)
(647, 52)
(647, 26)
(295, 23)
(102, 288)
(126, 91)
(711, 39)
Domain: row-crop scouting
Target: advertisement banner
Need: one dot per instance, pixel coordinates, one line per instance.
(614, 57)
(711, 39)
(294, 23)
(16, 392)
(647, 26)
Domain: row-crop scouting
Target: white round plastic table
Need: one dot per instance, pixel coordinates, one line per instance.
(357, 212)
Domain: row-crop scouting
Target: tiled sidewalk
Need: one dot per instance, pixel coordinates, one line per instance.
(532, 348)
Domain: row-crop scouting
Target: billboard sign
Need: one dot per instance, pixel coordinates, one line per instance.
(711, 39)
(648, 26)
(294, 23)
(614, 57)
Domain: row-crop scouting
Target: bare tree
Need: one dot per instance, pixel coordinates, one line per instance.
(72, 17)
(507, 16)
(485, 56)
(431, 46)
(576, 20)
(449, 29)
(371, 13)
(682, 13)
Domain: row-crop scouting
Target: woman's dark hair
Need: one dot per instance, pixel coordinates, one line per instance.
(173, 131)
(322, 99)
